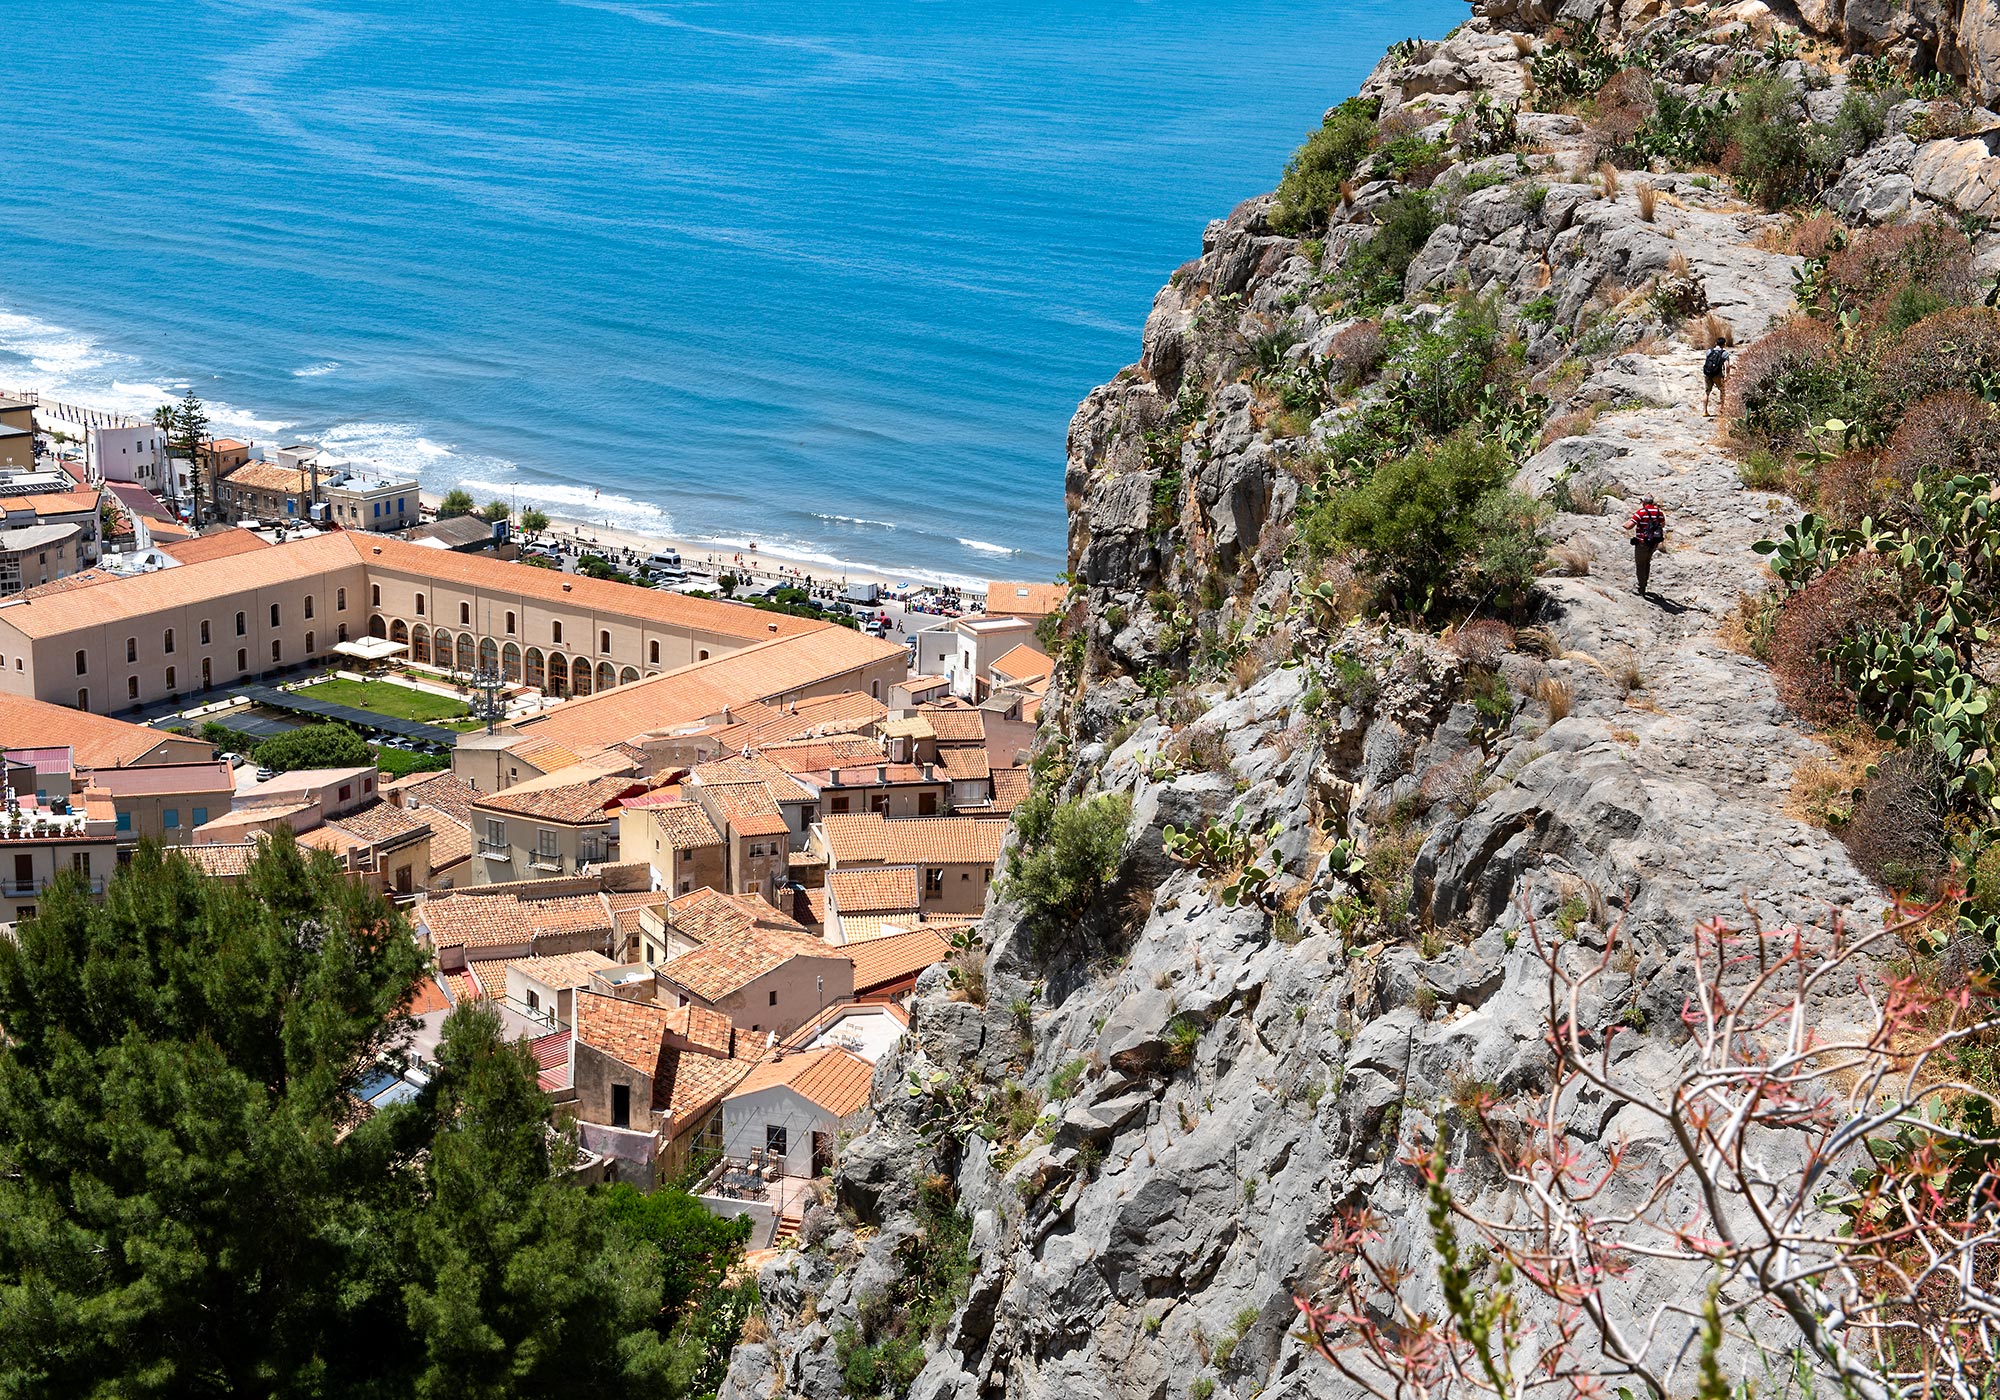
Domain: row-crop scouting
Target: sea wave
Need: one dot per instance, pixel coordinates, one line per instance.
(324, 367)
(584, 505)
(985, 548)
(856, 520)
(798, 552)
(74, 367)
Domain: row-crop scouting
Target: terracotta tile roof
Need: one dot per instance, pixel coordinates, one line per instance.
(161, 779)
(685, 826)
(222, 862)
(877, 890)
(816, 904)
(751, 768)
(835, 1079)
(955, 723)
(330, 838)
(868, 838)
(545, 754)
(447, 792)
(630, 1032)
(221, 545)
(1010, 787)
(705, 915)
(710, 1032)
(98, 741)
(1023, 663)
(733, 961)
(269, 476)
(492, 975)
(1024, 599)
(881, 961)
(86, 579)
(755, 725)
(695, 694)
(191, 585)
(748, 808)
(495, 920)
(687, 1081)
(550, 1050)
(576, 804)
(965, 763)
(50, 503)
(451, 842)
(379, 822)
(260, 815)
(564, 969)
(819, 755)
(427, 997)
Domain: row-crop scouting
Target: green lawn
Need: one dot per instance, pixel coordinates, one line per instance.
(398, 762)
(386, 698)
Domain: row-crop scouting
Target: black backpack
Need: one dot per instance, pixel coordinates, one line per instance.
(1717, 361)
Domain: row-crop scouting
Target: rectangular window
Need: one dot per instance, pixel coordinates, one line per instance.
(621, 1105)
(774, 998)
(774, 1139)
(545, 844)
(171, 819)
(201, 816)
(124, 821)
(496, 834)
(933, 884)
(346, 791)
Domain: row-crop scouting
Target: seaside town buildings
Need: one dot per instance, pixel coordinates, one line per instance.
(699, 882)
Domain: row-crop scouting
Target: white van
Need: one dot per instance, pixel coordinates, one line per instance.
(666, 564)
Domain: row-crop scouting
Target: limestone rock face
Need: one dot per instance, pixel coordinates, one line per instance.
(1208, 1076)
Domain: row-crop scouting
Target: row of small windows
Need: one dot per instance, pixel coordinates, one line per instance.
(242, 629)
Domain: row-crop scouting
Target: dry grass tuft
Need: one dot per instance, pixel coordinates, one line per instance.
(1677, 264)
(1608, 173)
(1648, 199)
(1572, 558)
(1571, 424)
(1554, 696)
(1523, 45)
(1539, 641)
(1822, 791)
(1705, 331)
(1624, 670)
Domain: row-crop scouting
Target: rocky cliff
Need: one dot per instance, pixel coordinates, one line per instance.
(1142, 1116)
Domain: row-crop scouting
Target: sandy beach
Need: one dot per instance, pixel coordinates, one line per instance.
(761, 563)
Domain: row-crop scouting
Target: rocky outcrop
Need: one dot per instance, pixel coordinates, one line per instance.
(1149, 1122)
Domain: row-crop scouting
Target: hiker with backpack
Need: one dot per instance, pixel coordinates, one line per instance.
(1648, 527)
(1714, 371)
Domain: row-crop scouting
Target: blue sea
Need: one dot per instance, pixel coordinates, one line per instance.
(831, 277)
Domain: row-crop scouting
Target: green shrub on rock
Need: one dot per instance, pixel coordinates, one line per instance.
(1068, 853)
(1313, 177)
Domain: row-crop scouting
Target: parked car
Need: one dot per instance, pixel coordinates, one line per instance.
(264, 775)
(234, 760)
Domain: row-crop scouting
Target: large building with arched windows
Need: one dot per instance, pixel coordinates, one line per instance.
(108, 644)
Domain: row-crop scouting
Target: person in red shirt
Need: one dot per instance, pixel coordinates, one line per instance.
(1648, 528)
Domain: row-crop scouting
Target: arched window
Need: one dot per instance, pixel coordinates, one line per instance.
(309, 606)
(82, 664)
(170, 680)
(167, 641)
(510, 664)
(579, 677)
(603, 642)
(277, 651)
(420, 605)
(489, 655)
(558, 674)
(627, 676)
(309, 644)
(653, 653)
(242, 659)
(555, 633)
(204, 631)
(465, 651)
(340, 600)
(343, 633)
(536, 674)
(242, 624)
(398, 632)
(606, 677)
(420, 644)
(377, 627)
(510, 624)
(375, 595)
(83, 699)
(131, 648)
(131, 687)
(703, 656)
(465, 614)
(274, 614)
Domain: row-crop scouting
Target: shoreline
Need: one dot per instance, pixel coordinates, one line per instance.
(762, 563)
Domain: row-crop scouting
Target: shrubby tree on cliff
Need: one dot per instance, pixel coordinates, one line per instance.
(191, 1200)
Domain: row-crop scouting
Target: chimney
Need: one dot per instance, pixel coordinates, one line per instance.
(835, 779)
(928, 775)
